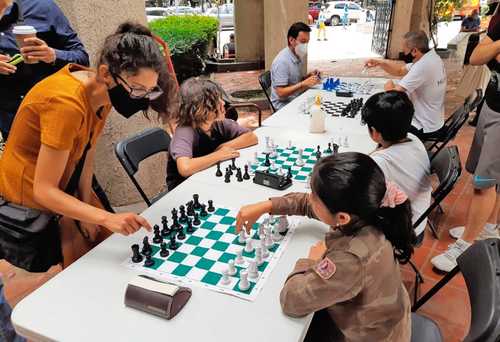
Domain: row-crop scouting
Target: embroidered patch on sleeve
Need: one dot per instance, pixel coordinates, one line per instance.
(326, 268)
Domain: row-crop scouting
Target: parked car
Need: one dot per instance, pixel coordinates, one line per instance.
(180, 10)
(153, 13)
(314, 9)
(225, 13)
(334, 12)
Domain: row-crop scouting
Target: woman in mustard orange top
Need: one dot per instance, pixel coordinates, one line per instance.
(66, 111)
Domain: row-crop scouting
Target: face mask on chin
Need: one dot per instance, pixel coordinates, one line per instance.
(124, 104)
(408, 57)
(301, 50)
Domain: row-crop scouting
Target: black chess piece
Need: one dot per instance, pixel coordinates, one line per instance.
(181, 235)
(335, 149)
(173, 243)
(229, 171)
(289, 175)
(329, 149)
(190, 229)
(267, 162)
(196, 220)
(164, 250)
(318, 152)
(136, 256)
(219, 172)
(146, 247)
(175, 225)
(211, 207)
(233, 164)
(157, 237)
(246, 176)
(196, 203)
(149, 262)
(174, 214)
(190, 209)
(239, 176)
(203, 212)
(227, 177)
(183, 217)
(164, 222)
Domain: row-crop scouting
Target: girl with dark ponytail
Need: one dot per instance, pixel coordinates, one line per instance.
(352, 279)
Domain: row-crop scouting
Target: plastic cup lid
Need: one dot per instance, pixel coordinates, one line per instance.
(24, 30)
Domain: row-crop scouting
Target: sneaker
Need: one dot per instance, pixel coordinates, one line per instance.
(489, 231)
(448, 260)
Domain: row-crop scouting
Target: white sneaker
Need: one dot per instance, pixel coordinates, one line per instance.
(489, 231)
(448, 260)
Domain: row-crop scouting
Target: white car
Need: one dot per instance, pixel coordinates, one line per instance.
(180, 10)
(225, 13)
(153, 13)
(334, 12)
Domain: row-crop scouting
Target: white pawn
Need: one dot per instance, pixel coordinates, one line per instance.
(263, 247)
(273, 165)
(253, 272)
(258, 256)
(269, 241)
(256, 158)
(239, 257)
(249, 246)
(242, 238)
(300, 161)
(290, 144)
(282, 224)
(261, 229)
(244, 284)
(308, 182)
(225, 278)
(346, 141)
(277, 236)
(231, 270)
(267, 139)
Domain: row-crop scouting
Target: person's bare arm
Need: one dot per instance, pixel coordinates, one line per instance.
(311, 81)
(49, 170)
(244, 140)
(189, 166)
(485, 51)
(391, 67)
(390, 85)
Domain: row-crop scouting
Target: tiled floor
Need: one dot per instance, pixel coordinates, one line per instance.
(450, 307)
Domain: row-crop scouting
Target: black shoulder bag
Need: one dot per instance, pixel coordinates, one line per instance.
(29, 238)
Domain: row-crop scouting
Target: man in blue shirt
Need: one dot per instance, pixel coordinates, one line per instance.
(471, 23)
(56, 45)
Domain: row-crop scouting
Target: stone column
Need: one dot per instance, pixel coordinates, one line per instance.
(278, 16)
(249, 28)
(400, 26)
(94, 20)
(420, 16)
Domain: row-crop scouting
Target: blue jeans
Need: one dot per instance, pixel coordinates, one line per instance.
(7, 332)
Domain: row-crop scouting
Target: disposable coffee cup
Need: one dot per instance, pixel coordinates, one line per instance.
(21, 33)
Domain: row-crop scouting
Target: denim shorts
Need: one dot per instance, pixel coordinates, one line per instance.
(7, 332)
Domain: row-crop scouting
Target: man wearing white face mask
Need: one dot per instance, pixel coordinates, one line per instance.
(287, 79)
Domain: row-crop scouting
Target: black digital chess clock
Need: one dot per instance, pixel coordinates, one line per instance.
(272, 181)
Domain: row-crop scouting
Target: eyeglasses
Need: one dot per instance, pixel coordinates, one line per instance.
(139, 93)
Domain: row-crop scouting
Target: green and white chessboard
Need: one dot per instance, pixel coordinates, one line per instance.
(204, 255)
(287, 158)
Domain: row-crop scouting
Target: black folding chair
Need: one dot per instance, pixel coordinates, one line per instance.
(480, 266)
(232, 106)
(132, 151)
(265, 83)
(472, 106)
(451, 127)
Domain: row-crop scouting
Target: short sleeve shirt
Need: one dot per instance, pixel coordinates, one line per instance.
(425, 83)
(286, 70)
(192, 143)
(55, 113)
(471, 23)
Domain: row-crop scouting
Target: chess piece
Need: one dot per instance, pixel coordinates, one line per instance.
(258, 256)
(300, 161)
(146, 247)
(329, 149)
(164, 250)
(190, 229)
(183, 217)
(276, 235)
(196, 202)
(190, 209)
(249, 246)
(149, 262)
(246, 176)
(136, 256)
(157, 237)
(269, 241)
(253, 272)
(244, 284)
(282, 225)
(346, 141)
(318, 152)
(231, 270)
(242, 238)
(308, 182)
(196, 220)
(211, 207)
(174, 213)
(289, 175)
(335, 149)
(267, 139)
(273, 166)
(173, 243)
(218, 173)
(181, 235)
(267, 162)
(239, 176)
(225, 278)
(290, 145)
(239, 257)
(175, 225)
(265, 251)
(164, 222)
(233, 164)
(274, 151)
(203, 211)
(227, 177)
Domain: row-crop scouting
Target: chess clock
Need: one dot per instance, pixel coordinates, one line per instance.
(272, 181)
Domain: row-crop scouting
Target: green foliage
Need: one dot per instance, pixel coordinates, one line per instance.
(444, 8)
(188, 38)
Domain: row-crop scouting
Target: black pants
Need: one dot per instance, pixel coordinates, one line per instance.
(323, 329)
(427, 136)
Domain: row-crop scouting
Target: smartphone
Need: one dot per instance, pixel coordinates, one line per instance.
(16, 59)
